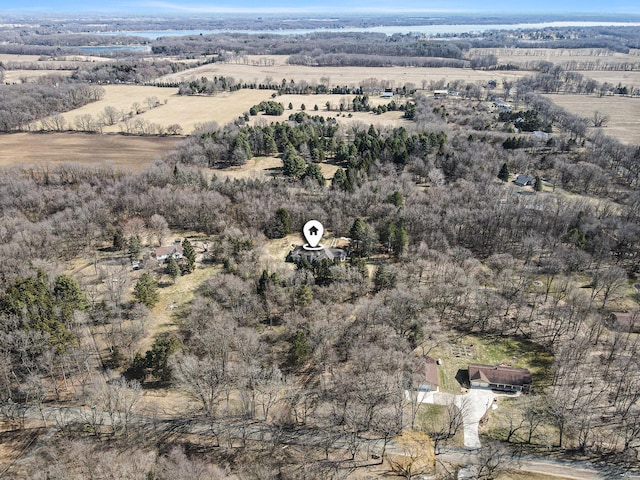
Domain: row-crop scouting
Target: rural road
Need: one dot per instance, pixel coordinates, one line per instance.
(59, 417)
(473, 406)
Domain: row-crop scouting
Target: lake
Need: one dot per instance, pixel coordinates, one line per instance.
(430, 30)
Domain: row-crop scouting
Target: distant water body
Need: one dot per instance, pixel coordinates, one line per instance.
(430, 30)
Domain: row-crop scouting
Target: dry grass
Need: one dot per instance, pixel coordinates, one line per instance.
(171, 299)
(55, 148)
(392, 76)
(560, 56)
(189, 111)
(22, 76)
(623, 112)
(630, 79)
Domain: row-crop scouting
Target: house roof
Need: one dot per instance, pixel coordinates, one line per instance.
(299, 253)
(523, 179)
(431, 371)
(170, 250)
(500, 375)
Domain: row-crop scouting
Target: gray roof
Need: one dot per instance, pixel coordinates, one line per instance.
(300, 253)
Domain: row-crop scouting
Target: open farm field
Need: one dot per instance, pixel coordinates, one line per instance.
(32, 67)
(567, 57)
(18, 76)
(623, 112)
(189, 111)
(278, 69)
(628, 79)
(125, 152)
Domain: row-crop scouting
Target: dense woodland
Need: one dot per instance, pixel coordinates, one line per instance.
(327, 348)
(274, 364)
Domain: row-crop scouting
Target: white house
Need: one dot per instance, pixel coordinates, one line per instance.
(174, 251)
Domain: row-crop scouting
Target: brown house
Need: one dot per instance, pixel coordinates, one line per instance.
(625, 321)
(163, 253)
(499, 377)
(430, 382)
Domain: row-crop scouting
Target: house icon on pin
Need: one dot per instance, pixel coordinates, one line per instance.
(313, 231)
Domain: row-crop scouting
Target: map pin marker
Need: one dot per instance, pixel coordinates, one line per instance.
(313, 231)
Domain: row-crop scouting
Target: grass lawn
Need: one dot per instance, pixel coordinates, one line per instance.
(490, 351)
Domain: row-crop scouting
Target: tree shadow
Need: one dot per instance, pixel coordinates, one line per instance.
(463, 378)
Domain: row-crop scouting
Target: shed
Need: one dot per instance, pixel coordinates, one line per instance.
(430, 381)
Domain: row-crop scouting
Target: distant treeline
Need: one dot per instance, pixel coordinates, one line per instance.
(619, 39)
(361, 60)
(314, 44)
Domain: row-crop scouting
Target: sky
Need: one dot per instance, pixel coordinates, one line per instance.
(328, 7)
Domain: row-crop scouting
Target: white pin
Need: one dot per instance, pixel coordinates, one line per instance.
(313, 231)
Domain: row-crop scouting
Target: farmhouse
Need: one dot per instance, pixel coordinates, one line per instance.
(163, 253)
(388, 93)
(523, 180)
(429, 381)
(499, 377)
(299, 254)
(440, 93)
(624, 321)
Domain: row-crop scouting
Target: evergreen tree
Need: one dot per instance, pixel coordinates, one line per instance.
(399, 241)
(363, 238)
(300, 350)
(146, 290)
(313, 172)
(69, 296)
(190, 255)
(157, 358)
(293, 165)
(303, 295)
(173, 269)
(504, 173)
(384, 279)
(279, 225)
(119, 240)
(134, 246)
(538, 185)
(340, 180)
